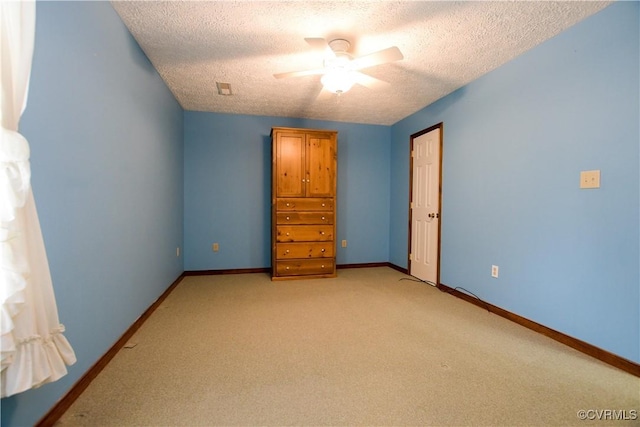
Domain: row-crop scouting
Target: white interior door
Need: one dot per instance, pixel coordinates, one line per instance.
(425, 207)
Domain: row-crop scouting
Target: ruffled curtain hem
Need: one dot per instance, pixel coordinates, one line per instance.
(37, 360)
(10, 308)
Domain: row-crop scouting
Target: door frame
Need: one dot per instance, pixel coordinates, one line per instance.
(411, 138)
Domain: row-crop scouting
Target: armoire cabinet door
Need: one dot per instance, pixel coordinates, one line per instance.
(321, 159)
(290, 165)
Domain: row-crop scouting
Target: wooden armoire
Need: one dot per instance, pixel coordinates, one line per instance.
(303, 203)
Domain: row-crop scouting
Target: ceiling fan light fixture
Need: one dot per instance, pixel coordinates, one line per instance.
(339, 80)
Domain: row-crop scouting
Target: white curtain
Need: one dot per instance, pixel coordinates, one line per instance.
(33, 349)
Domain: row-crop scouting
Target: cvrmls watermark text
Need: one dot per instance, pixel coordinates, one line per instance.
(608, 414)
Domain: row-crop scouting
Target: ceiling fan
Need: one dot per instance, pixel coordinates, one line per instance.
(341, 69)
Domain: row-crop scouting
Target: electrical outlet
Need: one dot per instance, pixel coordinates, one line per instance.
(344, 243)
(494, 271)
(215, 247)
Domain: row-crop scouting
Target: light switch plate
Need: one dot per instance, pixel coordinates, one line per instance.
(590, 179)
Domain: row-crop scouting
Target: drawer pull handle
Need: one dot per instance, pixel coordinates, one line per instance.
(323, 205)
(288, 205)
(322, 250)
(323, 218)
(322, 266)
(322, 232)
(287, 234)
(287, 251)
(287, 268)
(287, 218)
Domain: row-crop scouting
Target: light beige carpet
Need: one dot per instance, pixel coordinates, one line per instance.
(366, 348)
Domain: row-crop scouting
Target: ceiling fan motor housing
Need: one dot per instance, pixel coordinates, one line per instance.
(339, 45)
(341, 58)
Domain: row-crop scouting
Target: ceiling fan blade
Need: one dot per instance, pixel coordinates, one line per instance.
(370, 82)
(324, 95)
(316, 42)
(380, 57)
(320, 44)
(299, 73)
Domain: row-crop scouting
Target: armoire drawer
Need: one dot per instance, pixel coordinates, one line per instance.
(304, 250)
(305, 204)
(304, 233)
(302, 267)
(305, 217)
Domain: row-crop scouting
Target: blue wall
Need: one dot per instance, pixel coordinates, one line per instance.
(228, 190)
(515, 142)
(107, 158)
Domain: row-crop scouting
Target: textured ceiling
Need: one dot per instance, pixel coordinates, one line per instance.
(194, 44)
